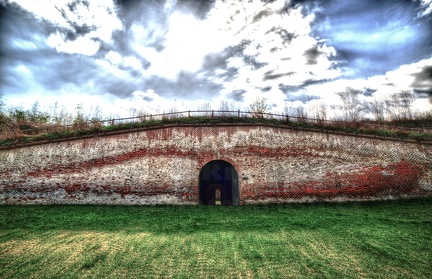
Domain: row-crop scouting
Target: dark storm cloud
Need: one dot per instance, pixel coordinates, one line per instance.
(199, 8)
(237, 95)
(311, 55)
(54, 70)
(26, 49)
(187, 85)
(369, 91)
(218, 61)
(286, 36)
(266, 89)
(289, 89)
(22, 49)
(75, 30)
(423, 79)
(118, 86)
(270, 76)
(143, 12)
(260, 15)
(298, 96)
(423, 93)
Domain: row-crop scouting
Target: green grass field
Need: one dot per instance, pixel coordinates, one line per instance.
(391, 239)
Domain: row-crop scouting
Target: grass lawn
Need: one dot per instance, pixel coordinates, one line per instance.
(391, 239)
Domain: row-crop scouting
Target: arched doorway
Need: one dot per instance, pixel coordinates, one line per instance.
(218, 184)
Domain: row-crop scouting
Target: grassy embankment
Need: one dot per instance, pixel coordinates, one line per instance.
(363, 128)
(390, 239)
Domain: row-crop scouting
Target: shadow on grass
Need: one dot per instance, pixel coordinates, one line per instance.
(337, 217)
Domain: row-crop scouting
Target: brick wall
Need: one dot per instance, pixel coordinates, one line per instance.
(162, 166)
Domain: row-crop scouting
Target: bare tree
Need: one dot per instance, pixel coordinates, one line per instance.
(2, 104)
(234, 107)
(132, 111)
(399, 105)
(34, 112)
(79, 121)
(59, 115)
(205, 108)
(95, 116)
(300, 113)
(6, 125)
(223, 108)
(319, 111)
(259, 107)
(142, 114)
(351, 107)
(289, 111)
(173, 112)
(377, 108)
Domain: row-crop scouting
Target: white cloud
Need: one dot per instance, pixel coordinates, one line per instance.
(426, 8)
(278, 39)
(384, 86)
(81, 45)
(393, 81)
(169, 4)
(98, 16)
(186, 42)
(404, 77)
(116, 59)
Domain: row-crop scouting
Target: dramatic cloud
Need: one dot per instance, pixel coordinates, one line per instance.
(425, 8)
(80, 26)
(159, 54)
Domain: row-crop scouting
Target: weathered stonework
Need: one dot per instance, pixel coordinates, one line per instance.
(162, 166)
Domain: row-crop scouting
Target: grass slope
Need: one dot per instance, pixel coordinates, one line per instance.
(342, 127)
(390, 239)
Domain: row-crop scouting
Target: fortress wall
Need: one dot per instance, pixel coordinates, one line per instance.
(162, 166)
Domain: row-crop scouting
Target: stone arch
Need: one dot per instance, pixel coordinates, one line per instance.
(218, 175)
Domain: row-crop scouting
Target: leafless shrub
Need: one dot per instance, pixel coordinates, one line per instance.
(300, 113)
(223, 108)
(205, 108)
(378, 109)
(142, 115)
(352, 108)
(259, 107)
(173, 112)
(400, 105)
(79, 121)
(319, 112)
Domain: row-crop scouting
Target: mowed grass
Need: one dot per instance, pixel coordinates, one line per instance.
(387, 239)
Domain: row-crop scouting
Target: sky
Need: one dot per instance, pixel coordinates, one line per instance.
(163, 55)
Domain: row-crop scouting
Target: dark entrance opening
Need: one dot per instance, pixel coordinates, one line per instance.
(218, 184)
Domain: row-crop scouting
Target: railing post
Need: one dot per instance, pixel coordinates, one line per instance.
(212, 114)
(238, 113)
(189, 113)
